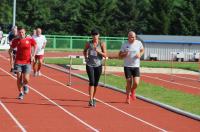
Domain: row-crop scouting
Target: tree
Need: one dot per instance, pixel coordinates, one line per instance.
(186, 19)
(6, 14)
(95, 14)
(33, 13)
(159, 16)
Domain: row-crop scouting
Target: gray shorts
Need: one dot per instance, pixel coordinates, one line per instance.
(24, 68)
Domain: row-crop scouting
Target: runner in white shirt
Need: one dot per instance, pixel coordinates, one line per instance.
(41, 43)
(131, 51)
(1, 34)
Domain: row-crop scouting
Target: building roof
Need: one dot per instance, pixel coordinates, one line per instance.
(170, 39)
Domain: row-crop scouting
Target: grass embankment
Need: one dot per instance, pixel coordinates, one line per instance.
(193, 66)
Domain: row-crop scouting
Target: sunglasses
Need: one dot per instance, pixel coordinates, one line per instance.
(94, 34)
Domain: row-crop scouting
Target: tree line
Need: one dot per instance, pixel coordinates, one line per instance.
(111, 17)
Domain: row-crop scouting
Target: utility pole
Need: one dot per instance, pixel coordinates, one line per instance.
(14, 12)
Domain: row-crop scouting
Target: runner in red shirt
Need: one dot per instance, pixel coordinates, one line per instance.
(24, 57)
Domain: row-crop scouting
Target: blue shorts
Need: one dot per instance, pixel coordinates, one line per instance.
(23, 68)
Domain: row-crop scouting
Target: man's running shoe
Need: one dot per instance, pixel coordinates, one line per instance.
(35, 74)
(26, 89)
(39, 73)
(21, 96)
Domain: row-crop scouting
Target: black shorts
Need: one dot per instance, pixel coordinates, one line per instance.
(131, 71)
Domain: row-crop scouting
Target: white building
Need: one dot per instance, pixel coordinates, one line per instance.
(166, 47)
(4, 44)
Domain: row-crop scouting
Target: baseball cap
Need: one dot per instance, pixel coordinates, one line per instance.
(94, 31)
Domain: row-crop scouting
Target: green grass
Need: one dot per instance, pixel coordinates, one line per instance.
(65, 61)
(175, 98)
(64, 49)
(193, 66)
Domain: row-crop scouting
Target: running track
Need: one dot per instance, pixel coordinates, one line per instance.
(53, 106)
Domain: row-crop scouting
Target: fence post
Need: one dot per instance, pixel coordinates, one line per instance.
(106, 41)
(54, 42)
(71, 43)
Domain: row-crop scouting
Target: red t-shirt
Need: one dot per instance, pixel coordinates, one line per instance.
(23, 55)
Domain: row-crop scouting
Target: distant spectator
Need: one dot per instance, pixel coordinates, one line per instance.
(33, 33)
(1, 34)
(12, 35)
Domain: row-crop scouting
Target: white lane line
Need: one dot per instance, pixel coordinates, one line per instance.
(13, 118)
(145, 122)
(187, 78)
(66, 111)
(172, 82)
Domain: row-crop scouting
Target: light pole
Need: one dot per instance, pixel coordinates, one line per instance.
(14, 12)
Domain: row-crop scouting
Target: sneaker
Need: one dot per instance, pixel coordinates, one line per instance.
(90, 103)
(39, 73)
(35, 74)
(21, 96)
(26, 89)
(94, 102)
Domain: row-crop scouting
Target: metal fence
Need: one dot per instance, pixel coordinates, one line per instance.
(78, 42)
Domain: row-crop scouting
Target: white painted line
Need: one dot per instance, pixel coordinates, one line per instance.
(66, 111)
(13, 118)
(172, 82)
(187, 78)
(145, 122)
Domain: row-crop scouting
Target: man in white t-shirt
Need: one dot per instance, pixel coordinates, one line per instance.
(1, 34)
(41, 43)
(131, 51)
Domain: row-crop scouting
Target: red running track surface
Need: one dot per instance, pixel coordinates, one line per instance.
(53, 106)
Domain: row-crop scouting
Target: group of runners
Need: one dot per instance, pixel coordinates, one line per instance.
(30, 49)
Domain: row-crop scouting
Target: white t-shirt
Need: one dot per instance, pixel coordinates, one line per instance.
(1, 35)
(40, 40)
(130, 60)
